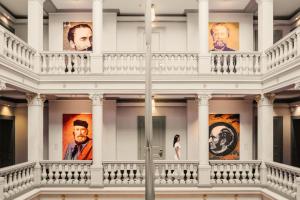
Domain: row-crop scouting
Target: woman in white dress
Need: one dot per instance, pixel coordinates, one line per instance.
(177, 147)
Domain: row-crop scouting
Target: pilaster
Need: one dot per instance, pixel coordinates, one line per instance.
(203, 116)
(97, 120)
(35, 126)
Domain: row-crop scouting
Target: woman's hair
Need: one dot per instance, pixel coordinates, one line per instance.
(176, 137)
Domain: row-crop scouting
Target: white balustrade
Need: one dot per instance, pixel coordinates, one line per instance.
(176, 173)
(123, 63)
(240, 63)
(284, 50)
(175, 63)
(230, 172)
(65, 172)
(18, 179)
(16, 50)
(162, 63)
(65, 62)
(282, 178)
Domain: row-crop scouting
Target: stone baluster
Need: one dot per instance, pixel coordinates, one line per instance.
(218, 174)
(138, 175)
(182, 168)
(231, 174)
(175, 174)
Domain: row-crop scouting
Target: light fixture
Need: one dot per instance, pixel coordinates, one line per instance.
(153, 105)
(152, 13)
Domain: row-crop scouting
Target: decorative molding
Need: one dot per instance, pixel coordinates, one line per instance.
(35, 99)
(97, 99)
(203, 99)
(2, 85)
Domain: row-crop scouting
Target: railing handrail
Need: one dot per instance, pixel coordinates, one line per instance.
(235, 52)
(279, 42)
(235, 161)
(284, 167)
(18, 39)
(65, 52)
(13, 168)
(90, 162)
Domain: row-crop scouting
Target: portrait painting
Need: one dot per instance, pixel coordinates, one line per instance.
(224, 137)
(223, 36)
(77, 137)
(78, 36)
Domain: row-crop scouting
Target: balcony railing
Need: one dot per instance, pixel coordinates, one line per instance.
(283, 179)
(14, 50)
(174, 173)
(284, 51)
(241, 63)
(18, 179)
(224, 172)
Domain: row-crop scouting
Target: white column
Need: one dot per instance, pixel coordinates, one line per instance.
(35, 127)
(265, 126)
(203, 20)
(265, 132)
(265, 24)
(35, 24)
(96, 57)
(203, 116)
(97, 127)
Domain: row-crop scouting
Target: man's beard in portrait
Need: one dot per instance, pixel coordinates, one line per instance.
(219, 44)
(80, 139)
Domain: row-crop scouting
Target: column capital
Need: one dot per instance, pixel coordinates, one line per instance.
(35, 99)
(203, 99)
(262, 1)
(265, 99)
(2, 85)
(39, 1)
(97, 99)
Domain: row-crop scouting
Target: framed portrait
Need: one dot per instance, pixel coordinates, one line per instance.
(223, 36)
(77, 137)
(224, 137)
(78, 36)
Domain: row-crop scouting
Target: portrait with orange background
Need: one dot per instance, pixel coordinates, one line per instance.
(233, 121)
(68, 128)
(231, 38)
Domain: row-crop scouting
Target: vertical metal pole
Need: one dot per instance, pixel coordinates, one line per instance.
(149, 186)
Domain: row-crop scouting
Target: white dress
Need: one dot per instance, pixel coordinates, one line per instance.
(179, 151)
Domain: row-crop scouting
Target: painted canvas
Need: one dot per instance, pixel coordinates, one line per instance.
(78, 36)
(224, 36)
(224, 136)
(77, 137)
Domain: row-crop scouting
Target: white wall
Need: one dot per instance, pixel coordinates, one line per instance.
(120, 134)
(284, 111)
(127, 130)
(171, 36)
(56, 21)
(245, 23)
(242, 107)
(21, 133)
(21, 32)
(56, 111)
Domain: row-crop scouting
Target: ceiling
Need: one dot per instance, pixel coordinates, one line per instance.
(281, 7)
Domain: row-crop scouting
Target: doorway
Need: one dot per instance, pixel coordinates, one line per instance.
(158, 140)
(278, 139)
(7, 141)
(295, 141)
